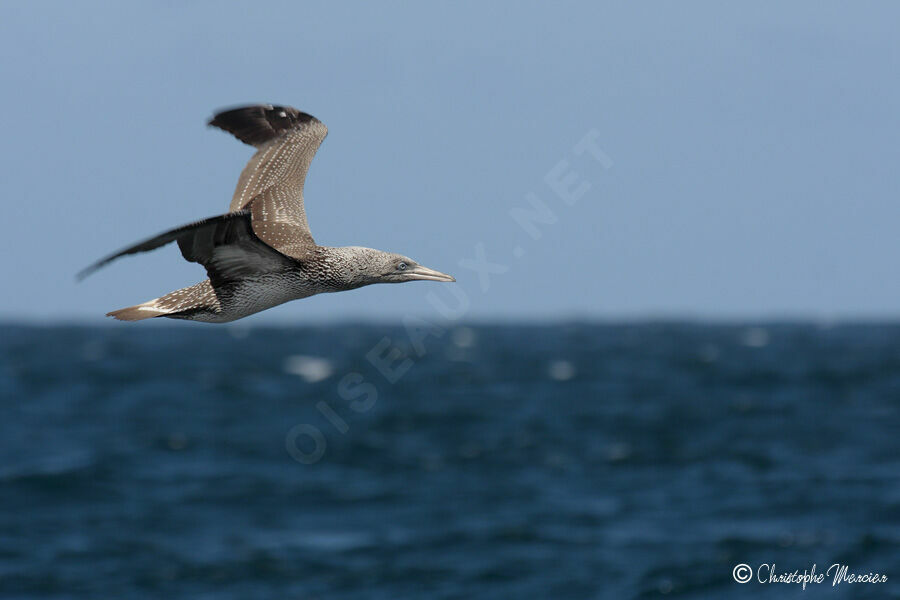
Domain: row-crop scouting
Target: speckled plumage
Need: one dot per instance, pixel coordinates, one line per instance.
(327, 270)
(262, 254)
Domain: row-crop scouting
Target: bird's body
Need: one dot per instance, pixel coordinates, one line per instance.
(262, 254)
(229, 302)
(327, 270)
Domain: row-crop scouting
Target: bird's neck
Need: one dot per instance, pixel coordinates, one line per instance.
(349, 267)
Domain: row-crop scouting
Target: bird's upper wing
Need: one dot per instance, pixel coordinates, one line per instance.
(271, 185)
(226, 245)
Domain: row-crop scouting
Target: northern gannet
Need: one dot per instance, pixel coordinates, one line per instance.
(261, 253)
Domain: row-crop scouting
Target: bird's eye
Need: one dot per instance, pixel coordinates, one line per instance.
(402, 266)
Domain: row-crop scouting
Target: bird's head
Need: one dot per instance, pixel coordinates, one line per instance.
(396, 268)
(376, 266)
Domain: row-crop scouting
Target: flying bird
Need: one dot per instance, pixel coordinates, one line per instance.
(261, 253)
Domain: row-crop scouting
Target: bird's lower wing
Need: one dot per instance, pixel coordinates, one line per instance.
(225, 245)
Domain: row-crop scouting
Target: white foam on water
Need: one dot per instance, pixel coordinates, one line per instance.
(561, 370)
(463, 337)
(755, 337)
(309, 368)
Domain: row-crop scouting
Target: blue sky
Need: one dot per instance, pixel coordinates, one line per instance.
(752, 150)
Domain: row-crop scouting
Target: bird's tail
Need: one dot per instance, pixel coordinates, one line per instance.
(177, 304)
(139, 312)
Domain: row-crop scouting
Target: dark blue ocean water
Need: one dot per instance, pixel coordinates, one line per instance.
(564, 461)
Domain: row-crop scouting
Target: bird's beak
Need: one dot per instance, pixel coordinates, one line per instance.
(426, 274)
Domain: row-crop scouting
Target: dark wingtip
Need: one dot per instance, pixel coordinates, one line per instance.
(85, 272)
(90, 270)
(259, 123)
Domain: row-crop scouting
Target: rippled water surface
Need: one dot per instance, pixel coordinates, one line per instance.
(566, 461)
